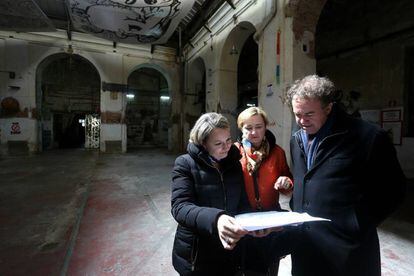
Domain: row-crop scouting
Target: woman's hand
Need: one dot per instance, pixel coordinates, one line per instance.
(283, 183)
(230, 232)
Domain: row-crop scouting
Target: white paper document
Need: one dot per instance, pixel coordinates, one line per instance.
(262, 220)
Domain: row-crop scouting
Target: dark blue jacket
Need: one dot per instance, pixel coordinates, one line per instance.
(357, 182)
(200, 193)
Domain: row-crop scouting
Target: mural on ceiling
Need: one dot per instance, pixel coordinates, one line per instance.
(129, 21)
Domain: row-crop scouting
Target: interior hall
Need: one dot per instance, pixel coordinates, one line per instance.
(97, 99)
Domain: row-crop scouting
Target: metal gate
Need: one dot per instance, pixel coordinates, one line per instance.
(92, 130)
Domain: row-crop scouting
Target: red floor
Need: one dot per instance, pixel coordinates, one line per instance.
(82, 213)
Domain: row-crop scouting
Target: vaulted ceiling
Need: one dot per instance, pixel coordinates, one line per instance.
(49, 15)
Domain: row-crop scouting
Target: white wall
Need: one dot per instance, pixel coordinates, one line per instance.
(25, 51)
(221, 67)
(405, 156)
(18, 129)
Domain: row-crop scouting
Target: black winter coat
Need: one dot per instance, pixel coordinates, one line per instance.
(200, 193)
(356, 181)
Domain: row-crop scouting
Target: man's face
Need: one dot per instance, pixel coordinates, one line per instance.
(309, 114)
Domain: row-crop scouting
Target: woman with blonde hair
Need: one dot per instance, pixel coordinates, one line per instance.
(265, 171)
(264, 164)
(207, 191)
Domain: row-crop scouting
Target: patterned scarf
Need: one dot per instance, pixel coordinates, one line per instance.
(254, 156)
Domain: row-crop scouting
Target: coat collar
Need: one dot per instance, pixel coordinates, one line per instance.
(198, 153)
(340, 123)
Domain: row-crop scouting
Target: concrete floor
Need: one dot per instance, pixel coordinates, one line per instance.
(77, 212)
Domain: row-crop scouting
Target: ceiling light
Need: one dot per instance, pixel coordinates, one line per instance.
(234, 50)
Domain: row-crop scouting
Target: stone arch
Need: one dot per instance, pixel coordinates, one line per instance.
(196, 86)
(41, 66)
(157, 67)
(305, 15)
(228, 97)
(43, 61)
(148, 113)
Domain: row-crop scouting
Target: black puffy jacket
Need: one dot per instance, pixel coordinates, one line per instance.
(200, 193)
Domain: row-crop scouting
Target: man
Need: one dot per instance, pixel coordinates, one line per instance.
(344, 169)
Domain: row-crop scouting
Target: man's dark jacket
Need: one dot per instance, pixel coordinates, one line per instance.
(356, 181)
(200, 193)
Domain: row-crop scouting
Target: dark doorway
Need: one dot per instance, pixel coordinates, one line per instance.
(69, 90)
(247, 79)
(69, 130)
(148, 109)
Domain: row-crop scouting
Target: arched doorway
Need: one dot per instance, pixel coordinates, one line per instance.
(148, 109)
(233, 89)
(196, 98)
(247, 80)
(68, 91)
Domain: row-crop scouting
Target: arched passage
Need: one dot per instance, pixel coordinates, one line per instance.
(148, 109)
(230, 86)
(196, 96)
(305, 14)
(247, 80)
(67, 91)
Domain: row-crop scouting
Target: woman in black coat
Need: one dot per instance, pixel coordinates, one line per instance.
(207, 191)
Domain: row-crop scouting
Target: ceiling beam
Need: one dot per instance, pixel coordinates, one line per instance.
(199, 21)
(230, 2)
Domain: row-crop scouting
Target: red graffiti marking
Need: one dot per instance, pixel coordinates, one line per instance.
(15, 128)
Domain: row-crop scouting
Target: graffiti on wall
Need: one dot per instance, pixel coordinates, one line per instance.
(15, 128)
(129, 21)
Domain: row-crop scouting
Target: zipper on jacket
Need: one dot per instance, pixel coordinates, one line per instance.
(222, 182)
(224, 189)
(194, 253)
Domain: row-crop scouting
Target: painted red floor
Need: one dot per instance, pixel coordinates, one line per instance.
(76, 212)
(126, 227)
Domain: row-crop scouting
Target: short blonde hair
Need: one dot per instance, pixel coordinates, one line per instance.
(205, 125)
(248, 113)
